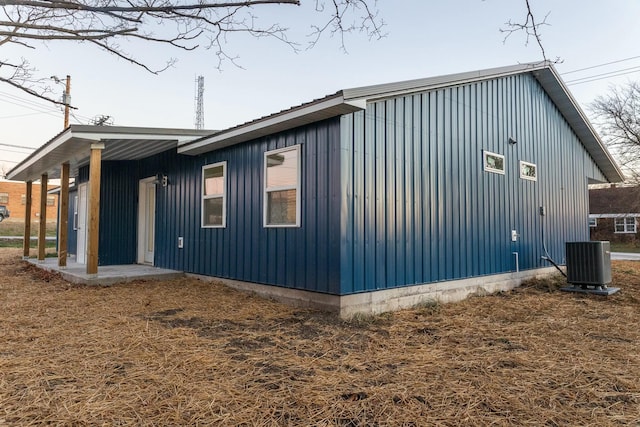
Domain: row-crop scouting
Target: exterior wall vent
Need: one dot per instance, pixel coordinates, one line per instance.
(589, 267)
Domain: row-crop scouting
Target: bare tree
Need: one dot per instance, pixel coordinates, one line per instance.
(184, 25)
(617, 115)
(180, 24)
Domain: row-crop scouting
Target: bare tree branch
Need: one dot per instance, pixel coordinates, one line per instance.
(30, 91)
(531, 28)
(132, 8)
(369, 22)
(182, 24)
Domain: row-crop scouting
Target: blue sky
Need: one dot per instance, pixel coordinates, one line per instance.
(424, 38)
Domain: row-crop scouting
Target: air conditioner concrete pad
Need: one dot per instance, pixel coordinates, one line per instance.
(592, 290)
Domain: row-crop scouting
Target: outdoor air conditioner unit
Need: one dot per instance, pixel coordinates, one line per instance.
(589, 267)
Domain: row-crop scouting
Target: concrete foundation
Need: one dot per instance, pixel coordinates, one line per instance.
(346, 306)
(389, 299)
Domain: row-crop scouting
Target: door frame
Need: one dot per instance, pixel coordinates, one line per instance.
(144, 225)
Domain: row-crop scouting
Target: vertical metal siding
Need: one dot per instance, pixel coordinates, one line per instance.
(417, 206)
(307, 257)
(83, 175)
(118, 213)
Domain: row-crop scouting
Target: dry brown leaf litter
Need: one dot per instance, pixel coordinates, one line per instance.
(185, 352)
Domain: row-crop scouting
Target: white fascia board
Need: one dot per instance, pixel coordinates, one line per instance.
(332, 107)
(136, 136)
(36, 156)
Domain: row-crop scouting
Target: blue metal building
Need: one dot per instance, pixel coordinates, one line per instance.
(369, 199)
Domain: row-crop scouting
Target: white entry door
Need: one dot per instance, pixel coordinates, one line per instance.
(81, 224)
(146, 220)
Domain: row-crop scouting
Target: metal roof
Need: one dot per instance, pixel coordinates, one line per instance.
(319, 109)
(350, 100)
(614, 200)
(73, 145)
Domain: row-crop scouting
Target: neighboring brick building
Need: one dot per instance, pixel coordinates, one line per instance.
(13, 196)
(614, 214)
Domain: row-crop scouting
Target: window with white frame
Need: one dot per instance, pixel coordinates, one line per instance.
(528, 171)
(625, 225)
(493, 162)
(593, 222)
(282, 187)
(214, 192)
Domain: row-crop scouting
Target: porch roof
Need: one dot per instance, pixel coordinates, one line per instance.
(73, 146)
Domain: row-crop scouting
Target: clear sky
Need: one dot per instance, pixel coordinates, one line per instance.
(424, 39)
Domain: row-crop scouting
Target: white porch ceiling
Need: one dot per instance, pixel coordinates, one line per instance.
(73, 146)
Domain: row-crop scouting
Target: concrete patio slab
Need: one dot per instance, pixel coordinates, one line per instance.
(107, 275)
(591, 290)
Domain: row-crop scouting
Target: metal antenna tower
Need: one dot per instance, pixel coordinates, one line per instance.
(199, 102)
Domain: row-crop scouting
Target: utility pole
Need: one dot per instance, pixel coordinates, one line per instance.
(66, 99)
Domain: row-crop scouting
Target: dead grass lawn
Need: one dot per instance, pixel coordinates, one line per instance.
(184, 352)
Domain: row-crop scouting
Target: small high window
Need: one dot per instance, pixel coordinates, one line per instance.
(528, 171)
(51, 201)
(493, 162)
(593, 222)
(625, 225)
(214, 193)
(23, 199)
(4, 198)
(282, 187)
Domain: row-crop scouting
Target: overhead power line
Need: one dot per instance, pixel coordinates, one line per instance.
(17, 146)
(20, 115)
(610, 73)
(4, 150)
(36, 106)
(596, 78)
(600, 65)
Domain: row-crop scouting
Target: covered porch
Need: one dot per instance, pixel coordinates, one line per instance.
(61, 158)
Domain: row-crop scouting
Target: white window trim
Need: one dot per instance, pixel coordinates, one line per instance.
(204, 197)
(529, 178)
(593, 224)
(628, 228)
(282, 187)
(487, 168)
